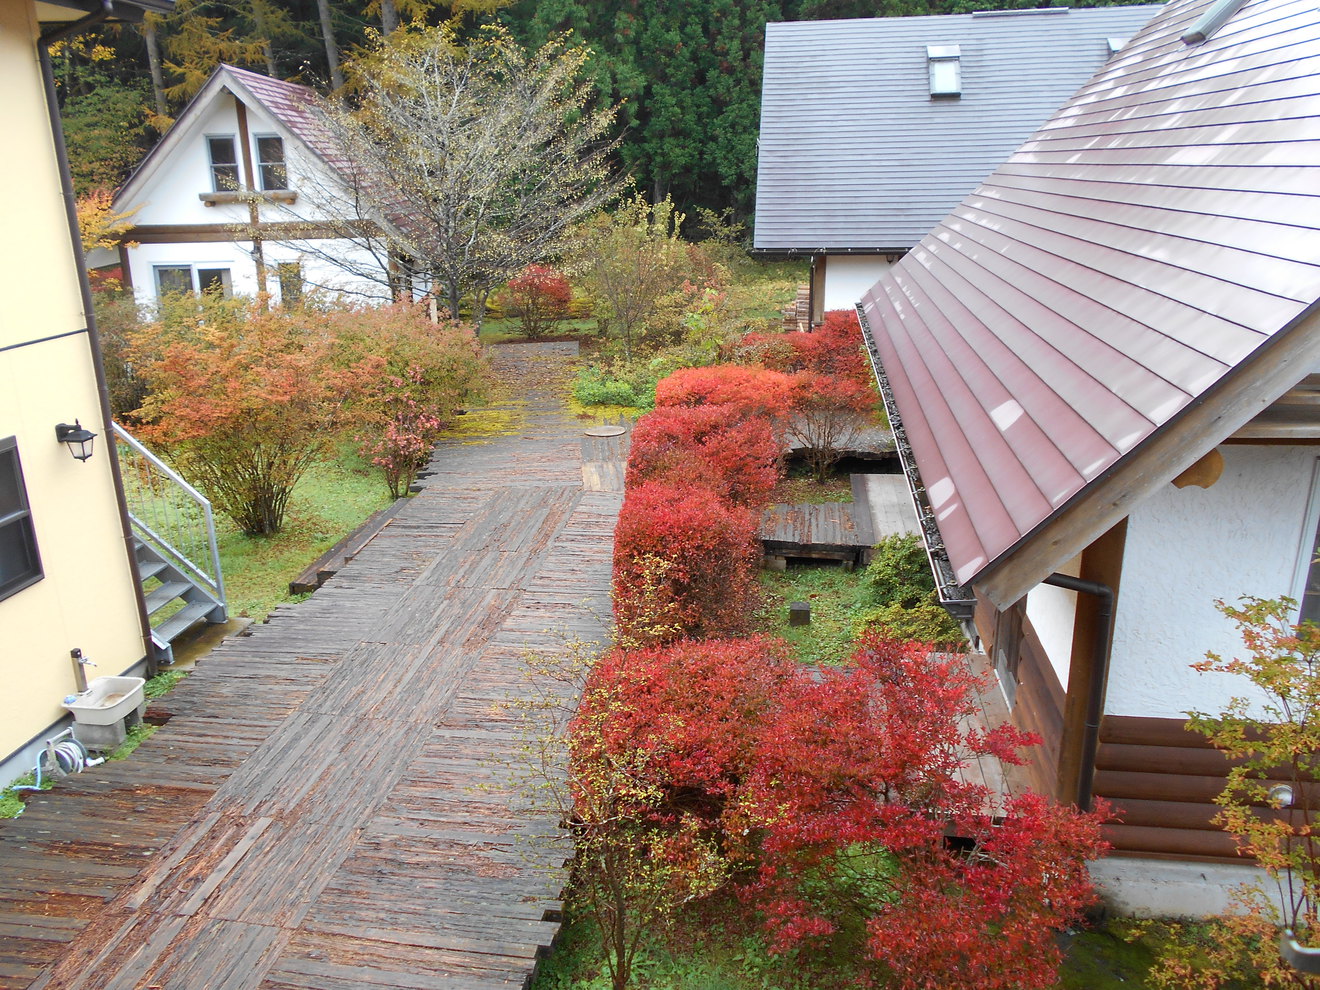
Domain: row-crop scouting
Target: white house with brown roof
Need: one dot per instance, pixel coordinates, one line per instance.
(1101, 369)
(872, 129)
(246, 193)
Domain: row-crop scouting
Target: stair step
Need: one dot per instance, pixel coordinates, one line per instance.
(158, 598)
(182, 619)
(150, 568)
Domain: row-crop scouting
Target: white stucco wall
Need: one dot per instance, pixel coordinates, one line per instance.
(849, 276)
(1052, 613)
(318, 273)
(168, 193)
(1185, 549)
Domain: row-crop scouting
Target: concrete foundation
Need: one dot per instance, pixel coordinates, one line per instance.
(1152, 888)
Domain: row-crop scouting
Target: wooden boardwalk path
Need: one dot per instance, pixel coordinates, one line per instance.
(329, 804)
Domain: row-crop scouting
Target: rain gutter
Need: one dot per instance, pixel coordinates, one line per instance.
(1101, 648)
(956, 599)
(84, 288)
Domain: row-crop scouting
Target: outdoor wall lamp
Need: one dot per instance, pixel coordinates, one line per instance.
(78, 439)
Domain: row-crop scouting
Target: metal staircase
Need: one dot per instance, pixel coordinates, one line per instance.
(178, 561)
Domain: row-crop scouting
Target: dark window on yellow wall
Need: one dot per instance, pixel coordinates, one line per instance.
(270, 162)
(20, 564)
(224, 163)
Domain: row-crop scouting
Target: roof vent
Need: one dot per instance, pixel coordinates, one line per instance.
(1212, 20)
(945, 62)
(1116, 44)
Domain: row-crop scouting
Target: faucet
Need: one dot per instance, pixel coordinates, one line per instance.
(79, 674)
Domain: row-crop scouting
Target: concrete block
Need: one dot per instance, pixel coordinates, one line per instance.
(1151, 888)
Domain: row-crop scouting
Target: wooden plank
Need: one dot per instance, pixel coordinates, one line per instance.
(306, 815)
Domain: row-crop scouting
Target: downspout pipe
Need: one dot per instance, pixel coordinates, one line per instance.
(84, 287)
(1095, 690)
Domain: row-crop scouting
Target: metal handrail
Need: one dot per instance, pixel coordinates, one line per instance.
(170, 514)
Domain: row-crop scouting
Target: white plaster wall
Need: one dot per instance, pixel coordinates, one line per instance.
(318, 273)
(849, 276)
(1185, 549)
(1052, 612)
(234, 255)
(170, 193)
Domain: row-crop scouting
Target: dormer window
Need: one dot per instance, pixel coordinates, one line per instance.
(270, 163)
(224, 163)
(945, 65)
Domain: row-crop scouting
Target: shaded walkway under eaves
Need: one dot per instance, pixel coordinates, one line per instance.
(329, 804)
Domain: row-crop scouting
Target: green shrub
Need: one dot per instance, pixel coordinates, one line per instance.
(906, 606)
(594, 386)
(926, 621)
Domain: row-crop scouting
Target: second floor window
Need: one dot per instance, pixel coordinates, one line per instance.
(270, 163)
(224, 163)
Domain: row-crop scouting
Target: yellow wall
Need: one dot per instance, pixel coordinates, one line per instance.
(86, 598)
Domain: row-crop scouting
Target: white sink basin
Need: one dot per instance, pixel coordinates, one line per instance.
(106, 700)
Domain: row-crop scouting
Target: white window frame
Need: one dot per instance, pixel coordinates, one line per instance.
(283, 162)
(212, 165)
(1307, 544)
(194, 277)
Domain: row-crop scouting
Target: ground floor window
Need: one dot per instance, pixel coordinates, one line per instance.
(20, 564)
(291, 282)
(178, 279)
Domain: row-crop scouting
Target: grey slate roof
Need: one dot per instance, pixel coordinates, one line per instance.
(854, 152)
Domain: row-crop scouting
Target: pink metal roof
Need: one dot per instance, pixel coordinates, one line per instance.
(1138, 248)
(296, 108)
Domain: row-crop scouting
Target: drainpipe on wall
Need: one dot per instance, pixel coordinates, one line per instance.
(1095, 689)
(93, 338)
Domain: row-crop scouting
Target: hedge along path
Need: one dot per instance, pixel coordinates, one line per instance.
(327, 806)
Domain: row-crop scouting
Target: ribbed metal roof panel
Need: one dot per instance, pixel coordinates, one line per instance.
(855, 153)
(1144, 243)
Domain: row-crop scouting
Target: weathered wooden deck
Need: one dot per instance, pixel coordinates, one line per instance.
(329, 804)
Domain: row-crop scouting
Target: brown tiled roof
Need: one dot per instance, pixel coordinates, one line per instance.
(296, 108)
(1141, 247)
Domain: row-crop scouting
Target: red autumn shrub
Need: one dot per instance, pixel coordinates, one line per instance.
(685, 564)
(538, 296)
(859, 784)
(772, 350)
(711, 446)
(833, 348)
(751, 390)
(831, 799)
(686, 714)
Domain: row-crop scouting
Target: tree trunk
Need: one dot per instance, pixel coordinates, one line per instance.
(454, 295)
(331, 49)
(153, 62)
(263, 36)
(389, 16)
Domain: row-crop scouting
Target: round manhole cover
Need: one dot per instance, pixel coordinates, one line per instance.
(606, 431)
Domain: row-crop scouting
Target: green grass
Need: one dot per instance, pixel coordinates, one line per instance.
(332, 499)
(761, 289)
(836, 597)
(703, 953)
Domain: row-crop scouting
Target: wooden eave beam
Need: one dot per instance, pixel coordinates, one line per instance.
(1223, 410)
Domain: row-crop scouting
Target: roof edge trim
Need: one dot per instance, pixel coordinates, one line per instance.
(1258, 380)
(955, 598)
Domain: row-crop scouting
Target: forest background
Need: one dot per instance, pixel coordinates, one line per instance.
(686, 73)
